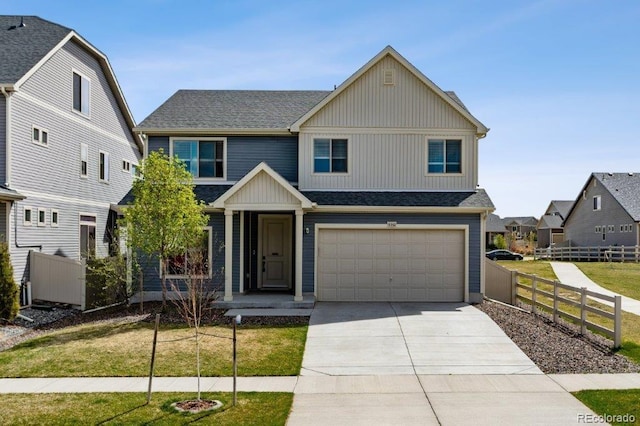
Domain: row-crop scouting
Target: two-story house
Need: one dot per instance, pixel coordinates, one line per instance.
(520, 226)
(606, 212)
(364, 193)
(67, 151)
(550, 229)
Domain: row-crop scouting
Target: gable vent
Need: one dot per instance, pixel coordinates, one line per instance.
(388, 77)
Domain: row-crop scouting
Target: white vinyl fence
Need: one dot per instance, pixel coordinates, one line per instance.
(57, 279)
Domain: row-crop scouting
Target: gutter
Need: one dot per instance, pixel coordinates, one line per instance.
(7, 140)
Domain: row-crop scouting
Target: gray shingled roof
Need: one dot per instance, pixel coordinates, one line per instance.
(625, 188)
(550, 221)
(232, 109)
(495, 224)
(562, 207)
(479, 199)
(22, 47)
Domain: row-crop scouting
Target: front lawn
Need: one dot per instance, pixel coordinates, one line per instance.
(124, 349)
(253, 408)
(622, 278)
(623, 403)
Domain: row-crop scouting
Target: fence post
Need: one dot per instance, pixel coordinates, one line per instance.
(555, 301)
(533, 293)
(583, 311)
(514, 287)
(617, 322)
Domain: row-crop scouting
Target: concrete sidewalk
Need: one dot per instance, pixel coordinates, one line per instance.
(314, 384)
(570, 274)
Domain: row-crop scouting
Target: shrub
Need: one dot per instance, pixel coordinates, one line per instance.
(499, 242)
(106, 281)
(9, 292)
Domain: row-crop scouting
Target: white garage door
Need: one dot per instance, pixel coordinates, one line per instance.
(397, 265)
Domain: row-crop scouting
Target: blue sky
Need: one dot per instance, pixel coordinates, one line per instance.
(557, 81)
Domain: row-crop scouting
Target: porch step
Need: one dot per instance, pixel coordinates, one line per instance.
(266, 301)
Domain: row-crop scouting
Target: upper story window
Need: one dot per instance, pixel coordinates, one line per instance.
(81, 93)
(597, 202)
(103, 170)
(40, 136)
(203, 158)
(444, 156)
(84, 159)
(330, 155)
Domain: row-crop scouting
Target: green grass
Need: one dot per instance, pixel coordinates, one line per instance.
(613, 402)
(253, 408)
(621, 278)
(103, 350)
(630, 322)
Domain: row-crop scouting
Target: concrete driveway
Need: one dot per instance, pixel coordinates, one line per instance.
(420, 364)
(408, 338)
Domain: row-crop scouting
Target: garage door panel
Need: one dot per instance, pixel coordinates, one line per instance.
(391, 265)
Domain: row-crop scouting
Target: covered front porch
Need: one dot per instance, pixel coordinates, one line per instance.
(270, 212)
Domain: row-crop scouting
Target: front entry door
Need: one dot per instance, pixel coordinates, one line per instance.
(275, 248)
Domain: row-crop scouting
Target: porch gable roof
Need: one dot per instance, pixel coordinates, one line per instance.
(262, 188)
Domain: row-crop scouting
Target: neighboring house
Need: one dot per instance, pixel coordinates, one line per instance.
(495, 226)
(67, 151)
(549, 229)
(367, 192)
(520, 226)
(606, 212)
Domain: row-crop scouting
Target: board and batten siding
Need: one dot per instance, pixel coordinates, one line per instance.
(580, 226)
(311, 219)
(408, 103)
(388, 127)
(157, 143)
(262, 190)
(384, 161)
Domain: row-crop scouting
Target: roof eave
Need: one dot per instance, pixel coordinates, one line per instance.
(385, 209)
(156, 131)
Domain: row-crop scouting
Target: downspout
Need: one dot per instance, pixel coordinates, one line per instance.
(7, 140)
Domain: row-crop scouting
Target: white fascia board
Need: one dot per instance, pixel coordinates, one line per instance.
(262, 167)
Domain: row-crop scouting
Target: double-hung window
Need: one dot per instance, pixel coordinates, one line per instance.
(81, 93)
(103, 167)
(444, 156)
(202, 158)
(330, 155)
(84, 159)
(196, 261)
(597, 202)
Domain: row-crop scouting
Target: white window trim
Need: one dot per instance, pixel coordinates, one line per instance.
(24, 213)
(313, 157)
(224, 156)
(82, 75)
(597, 204)
(463, 144)
(55, 224)
(209, 229)
(40, 133)
(86, 160)
(107, 164)
(42, 212)
(93, 223)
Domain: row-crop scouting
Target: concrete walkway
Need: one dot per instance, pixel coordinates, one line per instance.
(570, 274)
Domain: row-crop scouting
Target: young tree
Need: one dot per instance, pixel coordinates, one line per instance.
(165, 218)
(499, 241)
(195, 293)
(9, 292)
